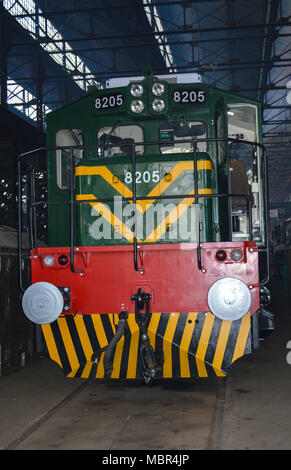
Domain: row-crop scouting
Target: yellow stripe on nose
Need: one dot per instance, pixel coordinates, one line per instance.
(167, 344)
(220, 347)
(185, 344)
(203, 344)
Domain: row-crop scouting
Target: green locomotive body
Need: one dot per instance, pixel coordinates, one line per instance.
(205, 110)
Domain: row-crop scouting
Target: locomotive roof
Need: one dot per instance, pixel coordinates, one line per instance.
(92, 91)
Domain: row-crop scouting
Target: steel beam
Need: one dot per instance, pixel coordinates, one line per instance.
(133, 5)
(177, 31)
(272, 7)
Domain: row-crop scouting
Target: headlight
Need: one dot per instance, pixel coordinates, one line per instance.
(49, 260)
(158, 105)
(136, 89)
(42, 303)
(137, 106)
(236, 255)
(158, 89)
(229, 298)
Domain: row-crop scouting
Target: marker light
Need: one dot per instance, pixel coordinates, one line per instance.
(49, 260)
(220, 255)
(236, 255)
(136, 89)
(42, 303)
(158, 89)
(158, 105)
(137, 106)
(229, 298)
(63, 260)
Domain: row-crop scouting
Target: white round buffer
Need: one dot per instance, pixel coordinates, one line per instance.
(42, 302)
(229, 298)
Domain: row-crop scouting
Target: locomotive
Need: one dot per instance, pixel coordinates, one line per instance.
(157, 255)
(281, 251)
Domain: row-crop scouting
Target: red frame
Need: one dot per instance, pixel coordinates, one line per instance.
(169, 273)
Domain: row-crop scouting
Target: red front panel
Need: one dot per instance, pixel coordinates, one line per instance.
(170, 274)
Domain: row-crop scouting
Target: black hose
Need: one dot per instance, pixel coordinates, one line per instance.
(111, 346)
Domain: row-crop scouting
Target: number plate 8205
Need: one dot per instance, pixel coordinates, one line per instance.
(188, 96)
(108, 101)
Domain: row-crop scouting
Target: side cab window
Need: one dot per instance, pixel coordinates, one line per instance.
(67, 138)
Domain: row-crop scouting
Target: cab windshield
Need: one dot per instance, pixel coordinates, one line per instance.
(174, 133)
(119, 140)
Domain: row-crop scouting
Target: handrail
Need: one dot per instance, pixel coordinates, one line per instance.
(72, 215)
(72, 201)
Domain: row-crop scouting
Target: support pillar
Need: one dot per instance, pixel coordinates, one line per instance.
(4, 49)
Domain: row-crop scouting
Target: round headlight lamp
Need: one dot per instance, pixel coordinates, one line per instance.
(158, 105)
(137, 106)
(229, 298)
(42, 303)
(49, 260)
(236, 255)
(158, 89)
(136, 89)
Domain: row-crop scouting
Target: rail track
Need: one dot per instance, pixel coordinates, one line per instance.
(179, 416)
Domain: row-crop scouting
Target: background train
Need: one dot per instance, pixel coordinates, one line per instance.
(158, 251)
(281, 253)
(19, 338)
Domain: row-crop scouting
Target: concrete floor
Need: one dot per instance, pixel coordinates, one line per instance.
(257, 414)
(258, 410)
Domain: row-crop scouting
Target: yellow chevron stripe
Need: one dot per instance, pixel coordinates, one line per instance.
(102, 339)
(84, 338)
(161, 187)
(86, 345)
(185, 344)
(133, 350)
(106, 175)
(242, 337)
(51, 344)
(152, 328)
(175, 173)
(117, 359)
(170, 219)
(220, 347)
(99, 329)
(173, 216)
(167, 344)
(203, 344)
(118, 349)
(66, 341)
(159, 231)
(111, 218)
(69, 346)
